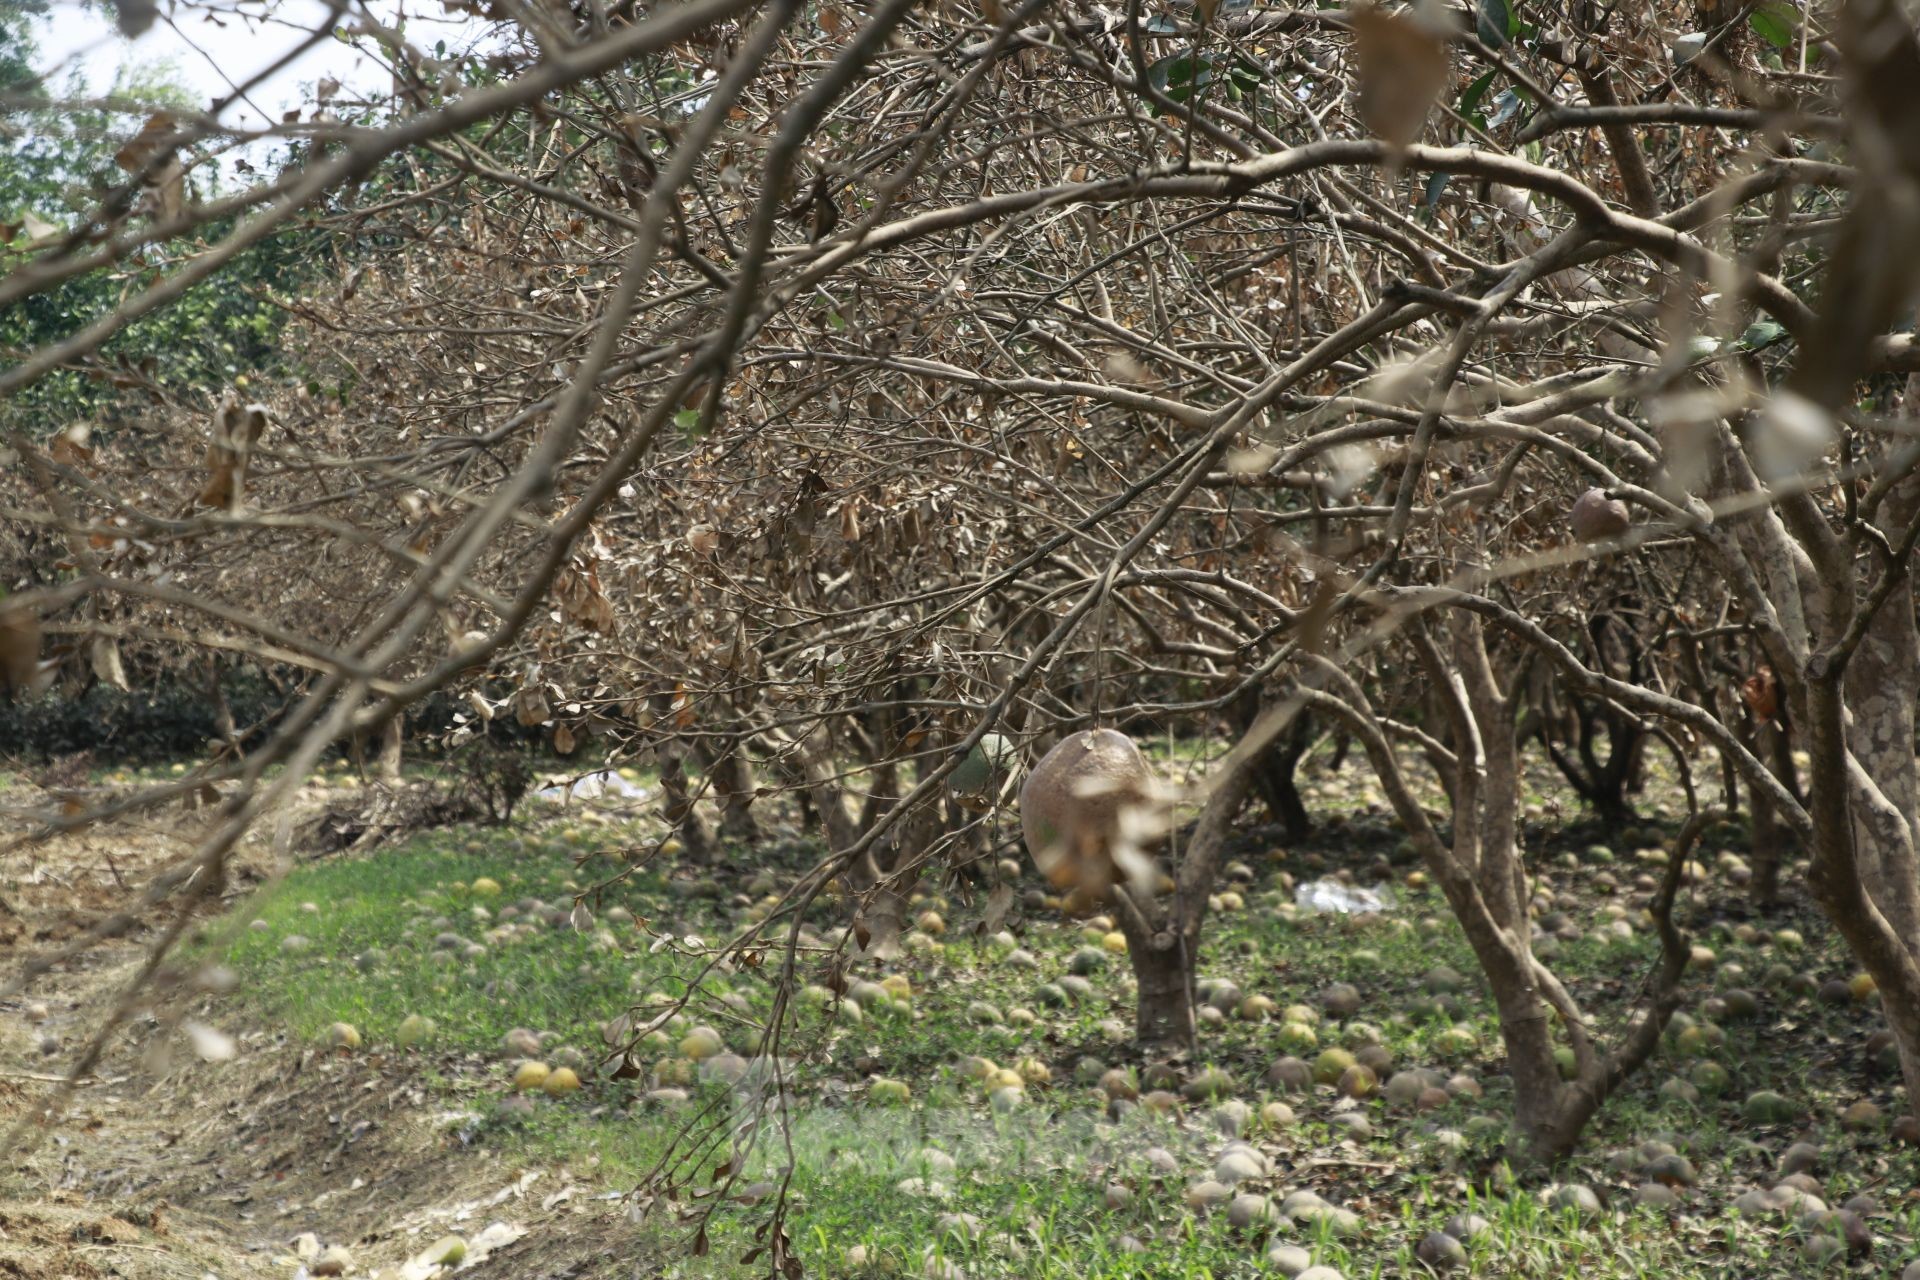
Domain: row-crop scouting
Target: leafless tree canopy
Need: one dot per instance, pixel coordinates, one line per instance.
(834, 385)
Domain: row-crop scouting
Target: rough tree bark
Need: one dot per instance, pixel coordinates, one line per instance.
(392, 739)
(1769, 838)
(1866, 870)
(1163, 930)
(1853, 695)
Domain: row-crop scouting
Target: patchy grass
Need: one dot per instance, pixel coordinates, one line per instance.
(405, 931)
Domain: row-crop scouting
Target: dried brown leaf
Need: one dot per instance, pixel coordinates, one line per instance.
(1402, 69)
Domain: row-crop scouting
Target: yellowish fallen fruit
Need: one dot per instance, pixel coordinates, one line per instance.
(672, 848)
(931, 923)
(531, 1075)
(1115, 942)
(891, 1092)
(1255, 1008)
(487, 887)
(560, 1082)
(701, 1043)
(1862, 986)
(674, 1071)
(1033, 1071)
(447, 1251)
(978, 1068)
(1006, 1078)
(343, 1035)
(897, 986)
(414, 1029)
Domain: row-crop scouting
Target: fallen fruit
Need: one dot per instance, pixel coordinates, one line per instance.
(414, 1029)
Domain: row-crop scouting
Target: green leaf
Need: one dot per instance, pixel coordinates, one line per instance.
(1774, 21)
(1435, 185)
(1470, 100)
(1180, 76)
(687, 419)
(1493, 20)
(1762, 333)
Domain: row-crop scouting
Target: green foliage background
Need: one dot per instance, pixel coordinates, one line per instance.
(54, 164)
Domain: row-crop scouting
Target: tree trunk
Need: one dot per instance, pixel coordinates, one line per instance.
(681, 813)
(1484, 879)
(392, 737)
(1163, 931)
(826, 791)
(1769, 837)
(1603, 785)
(1163, 1012)
(1766, 835)
(1274, 773)
(1526, 1031)
(1278, 781)
(731, 774)
(1488, 835)
(1879, 686)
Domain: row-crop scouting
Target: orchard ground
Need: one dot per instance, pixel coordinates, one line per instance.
(962, 1110)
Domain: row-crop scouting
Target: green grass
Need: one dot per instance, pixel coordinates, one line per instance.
(372, 960)
(1034, 1178)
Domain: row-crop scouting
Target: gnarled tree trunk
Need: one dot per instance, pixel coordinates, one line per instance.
(1163, 930)
(679, 809)
(730, 773)
(1276, 773)
(1482, 874)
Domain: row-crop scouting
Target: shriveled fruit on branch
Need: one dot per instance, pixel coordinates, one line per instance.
(1596, 517)
(236, 429)
(977, 779)
(1083, 807)
(1761, 692)
(1402, 68)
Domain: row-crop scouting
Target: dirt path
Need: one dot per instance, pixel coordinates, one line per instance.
(252, 1167)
